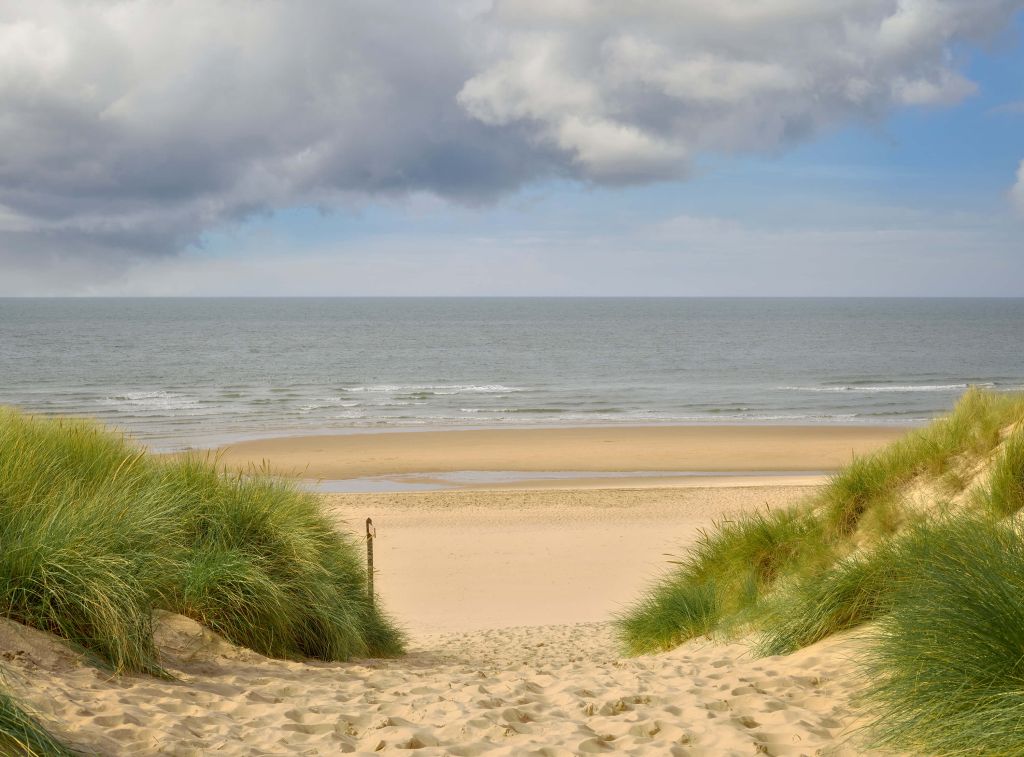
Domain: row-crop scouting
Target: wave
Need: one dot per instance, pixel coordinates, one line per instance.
(761, 417)
(884, 388)
(442, 389)
(328, 402)
(619, 416)
(521, 410)
(159, 400)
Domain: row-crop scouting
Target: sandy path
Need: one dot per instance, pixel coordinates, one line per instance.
(619, 448)
(547, 691)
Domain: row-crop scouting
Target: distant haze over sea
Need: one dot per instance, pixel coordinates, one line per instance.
(182, 372)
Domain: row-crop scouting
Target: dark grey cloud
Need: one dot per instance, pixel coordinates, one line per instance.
(129, 128)
(140, 124)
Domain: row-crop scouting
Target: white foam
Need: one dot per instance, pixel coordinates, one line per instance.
(437, 388)
(884, 388)
(159, 400)
(328, 402)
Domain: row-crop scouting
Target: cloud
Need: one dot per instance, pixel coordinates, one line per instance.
(633, 92)
(131, 127)
(1015, 108)
(1017, 191)
(140, 124)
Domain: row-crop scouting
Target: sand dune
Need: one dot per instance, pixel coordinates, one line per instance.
(495, 588)
(536, 690)
(506, 595)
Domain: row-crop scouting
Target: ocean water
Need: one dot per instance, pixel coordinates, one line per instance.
(192, 372)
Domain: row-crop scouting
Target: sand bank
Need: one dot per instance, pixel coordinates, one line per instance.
(646, 448)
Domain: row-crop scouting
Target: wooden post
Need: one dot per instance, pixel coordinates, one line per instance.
(370, 533)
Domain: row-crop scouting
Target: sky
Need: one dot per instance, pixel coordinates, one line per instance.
(512, 147)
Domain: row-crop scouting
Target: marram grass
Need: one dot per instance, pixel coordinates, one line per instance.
(723, 575)
(671, 613)
(870, 483)
(854, 590)
(947, 661)
(819, 567)
(94, 535)
(941, 590)
(23, 735)
(1004, 492)
(269, 571)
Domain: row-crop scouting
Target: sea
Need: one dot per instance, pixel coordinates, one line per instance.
(179, 373)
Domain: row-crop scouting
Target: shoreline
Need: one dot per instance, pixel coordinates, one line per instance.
(622, 449)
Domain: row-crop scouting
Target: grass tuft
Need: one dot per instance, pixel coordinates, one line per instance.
(803, 573)
(22, 734)
(854, 590)
(1004, 493)
(726, 572)
(269, 571)
(94, 535)
(947, 660)
(672, 612)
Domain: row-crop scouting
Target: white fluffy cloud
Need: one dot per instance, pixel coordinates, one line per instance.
(131, 126)
(630, 92)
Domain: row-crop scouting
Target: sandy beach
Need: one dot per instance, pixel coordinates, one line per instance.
(468, 560)
(516, 378)
(595, 449)
(507, 596)
(529, 551)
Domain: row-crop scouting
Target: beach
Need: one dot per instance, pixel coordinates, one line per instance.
(622, 449)
(514, 378)
(522, 550)
(469, 560)
(506, 595)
